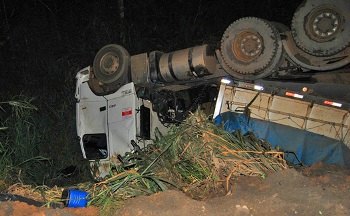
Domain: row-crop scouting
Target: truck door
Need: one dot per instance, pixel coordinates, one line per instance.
(121, 120)
(91, 120)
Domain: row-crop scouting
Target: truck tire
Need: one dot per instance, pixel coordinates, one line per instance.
(111, 63)
(322, 27)
(251, 48)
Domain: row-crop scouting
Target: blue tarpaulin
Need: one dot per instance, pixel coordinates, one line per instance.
(300, 146)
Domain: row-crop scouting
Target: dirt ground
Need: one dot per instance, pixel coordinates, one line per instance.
(22, 209)
(316, 190)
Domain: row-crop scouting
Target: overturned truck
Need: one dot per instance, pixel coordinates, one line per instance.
(295, 77)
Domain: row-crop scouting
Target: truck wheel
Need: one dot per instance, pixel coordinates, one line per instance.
(111, 63)
(251, 48)
(322, 27)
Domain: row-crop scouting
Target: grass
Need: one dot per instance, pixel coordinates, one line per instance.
(36, 143)
(19, 141)
(38, 126)
(203, 157)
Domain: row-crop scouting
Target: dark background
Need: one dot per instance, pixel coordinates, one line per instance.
(43, 44)
(37, 34)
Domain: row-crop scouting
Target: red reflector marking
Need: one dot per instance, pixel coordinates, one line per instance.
(127, 112)
(289, 94)
(332, 103)
(328, 102)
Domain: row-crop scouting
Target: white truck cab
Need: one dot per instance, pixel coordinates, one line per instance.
(107, 125)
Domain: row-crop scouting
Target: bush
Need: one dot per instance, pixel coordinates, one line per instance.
(35, 145)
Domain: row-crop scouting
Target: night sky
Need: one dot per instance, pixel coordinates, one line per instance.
(43, 43)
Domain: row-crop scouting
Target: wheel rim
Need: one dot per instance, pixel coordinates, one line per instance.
(247, 46)
(323, 24)
(109, 64)
(321, 27)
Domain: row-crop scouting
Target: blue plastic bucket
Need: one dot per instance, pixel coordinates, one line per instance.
(74, 198)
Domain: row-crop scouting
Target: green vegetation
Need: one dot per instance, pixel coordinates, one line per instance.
(28, 153)
(196, 157)
(18, 139)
